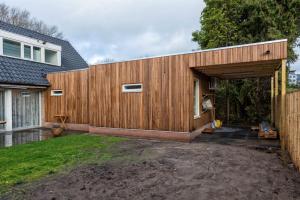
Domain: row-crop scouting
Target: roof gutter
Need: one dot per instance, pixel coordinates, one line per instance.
(23, 87)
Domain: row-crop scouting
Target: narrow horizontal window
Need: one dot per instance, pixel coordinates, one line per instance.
(51, 57)
(37, 54)
(11, 48)
(27, 52)
(56, 92)
(132, 88)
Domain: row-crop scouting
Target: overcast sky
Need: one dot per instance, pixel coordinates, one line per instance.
(121, 29)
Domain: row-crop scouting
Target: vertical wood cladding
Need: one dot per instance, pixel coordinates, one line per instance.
(73, 102)
(243, 54)
(291, 126)
(166, 102)
(94, 96)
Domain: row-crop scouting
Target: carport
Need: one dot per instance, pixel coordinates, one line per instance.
(264, 59)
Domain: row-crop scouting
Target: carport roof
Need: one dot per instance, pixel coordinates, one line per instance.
(243, 61)
(233, 62)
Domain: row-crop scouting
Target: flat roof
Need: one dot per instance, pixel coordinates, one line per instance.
(196, 51)
(239, 61)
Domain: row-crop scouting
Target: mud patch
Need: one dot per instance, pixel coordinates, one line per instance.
(169, 170)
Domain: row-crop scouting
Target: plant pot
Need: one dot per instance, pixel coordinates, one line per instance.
(56, 132)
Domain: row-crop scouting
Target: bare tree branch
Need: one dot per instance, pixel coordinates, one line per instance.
(22, 18)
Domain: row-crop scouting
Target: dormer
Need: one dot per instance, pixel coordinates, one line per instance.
(27, 48)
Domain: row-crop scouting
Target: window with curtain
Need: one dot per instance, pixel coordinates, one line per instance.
(37, 54)
(11, 48)
(27, 52)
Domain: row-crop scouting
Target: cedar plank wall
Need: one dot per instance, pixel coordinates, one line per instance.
(166, 102)
(74, 102)
(245, 54)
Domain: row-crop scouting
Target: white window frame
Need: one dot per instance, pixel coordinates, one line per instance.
(126, 90)
(24, 40)
(196, 94)
(54, 94)
(21, 48)
(57, 60)
(25, 93)
(41, 59)
(31, 51)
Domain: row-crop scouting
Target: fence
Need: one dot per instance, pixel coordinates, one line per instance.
(291, 126)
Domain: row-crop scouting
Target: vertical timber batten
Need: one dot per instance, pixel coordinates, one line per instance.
(272, 101)
(276, 113)
(283, 133)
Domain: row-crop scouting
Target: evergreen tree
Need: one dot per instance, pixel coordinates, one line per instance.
(232, 22)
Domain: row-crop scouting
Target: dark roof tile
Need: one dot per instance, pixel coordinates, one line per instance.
(17, 71)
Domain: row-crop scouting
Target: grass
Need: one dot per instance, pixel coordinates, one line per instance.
(28, 162)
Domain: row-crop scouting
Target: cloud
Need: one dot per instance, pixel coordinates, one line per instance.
(121, 29)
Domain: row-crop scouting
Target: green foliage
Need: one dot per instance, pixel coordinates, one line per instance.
(249, 100)
(232, 22)
(24, 163)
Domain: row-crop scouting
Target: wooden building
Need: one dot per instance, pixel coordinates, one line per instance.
(158, 97)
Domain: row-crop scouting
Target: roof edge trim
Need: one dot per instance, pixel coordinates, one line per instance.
(191, 52)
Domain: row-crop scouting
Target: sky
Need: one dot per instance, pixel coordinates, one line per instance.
(122, 29)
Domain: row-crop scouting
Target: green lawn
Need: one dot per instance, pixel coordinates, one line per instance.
(24, 163)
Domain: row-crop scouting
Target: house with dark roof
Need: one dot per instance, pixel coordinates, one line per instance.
(293, 77)
(26, 57)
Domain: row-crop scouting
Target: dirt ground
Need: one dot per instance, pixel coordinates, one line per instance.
(221, 166)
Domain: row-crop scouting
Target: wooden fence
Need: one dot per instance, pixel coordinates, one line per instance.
(291, 127)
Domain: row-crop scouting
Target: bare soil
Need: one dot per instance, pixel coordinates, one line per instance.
(220, 166)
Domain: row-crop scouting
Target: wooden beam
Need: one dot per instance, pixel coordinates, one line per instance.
(272, 101)
(239, 67)
(239, 70)
(243, 76)
(271, 62)
(276, 114)
(227, 102)
(283, 114)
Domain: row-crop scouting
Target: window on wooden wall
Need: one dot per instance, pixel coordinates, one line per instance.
(196, 98)
(132, 88)
(56, 93)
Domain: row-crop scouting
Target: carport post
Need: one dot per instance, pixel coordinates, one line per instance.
(283, 114)
(272, 101)
(276, 114)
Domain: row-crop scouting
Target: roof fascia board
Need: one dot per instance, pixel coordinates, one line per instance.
(198, 51)
(12, 86)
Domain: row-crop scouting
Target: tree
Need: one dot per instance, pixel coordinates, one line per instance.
(22, 18)
(232, 22)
